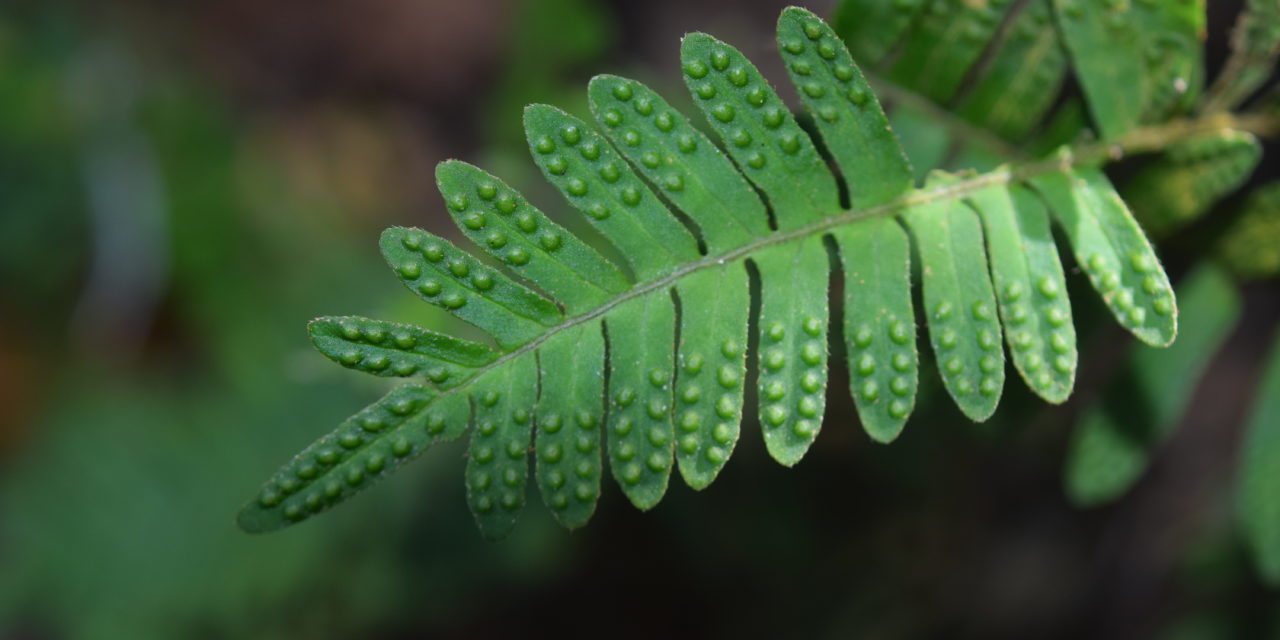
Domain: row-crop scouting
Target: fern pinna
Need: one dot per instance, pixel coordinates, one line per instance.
(645, 364)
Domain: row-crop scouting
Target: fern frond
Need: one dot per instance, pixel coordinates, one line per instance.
(760, 133)
(691, 171)
(651, 366)
(1135, 61)
(506, 226)
(391, 349)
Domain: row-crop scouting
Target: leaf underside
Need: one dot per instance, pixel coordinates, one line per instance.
(645, 364)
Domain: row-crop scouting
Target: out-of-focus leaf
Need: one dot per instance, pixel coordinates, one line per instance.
(1255, 43)
(1136, 61)
(1251, 247)
(944, 43)
(1115, 253)
(924, 140)
(1258, 487)
(1191, 177)
(1022, 78)
(1115, 438)
(872, 28)
(959, 301)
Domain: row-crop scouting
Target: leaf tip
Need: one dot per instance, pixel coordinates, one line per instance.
(885, 435)
(1158, 337)
(254, 519)
(690, 41)
(598, 81)
(796, 13)
(451, 168)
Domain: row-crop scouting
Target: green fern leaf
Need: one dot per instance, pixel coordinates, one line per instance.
(989, 76)
(654, 372)
(947, 40)
(1093, 30)
(1027, 274)
(1110, 246)
(1022, 78)
(569, 417)
(692, 173)
(959, 301)
(365, 448)
(793, 346)
(714, 305)
(452, 279)
(845, 109)
(503, 401)
(1136, 61)
(979, 78)
(641, 334)
(390, 349)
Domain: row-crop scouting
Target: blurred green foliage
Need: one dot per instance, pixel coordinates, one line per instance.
(116, 501)
(1112, 445)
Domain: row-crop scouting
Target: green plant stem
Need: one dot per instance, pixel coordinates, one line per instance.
(1144, 140)
(1158, 137)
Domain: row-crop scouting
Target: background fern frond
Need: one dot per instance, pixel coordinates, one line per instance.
(997, 71)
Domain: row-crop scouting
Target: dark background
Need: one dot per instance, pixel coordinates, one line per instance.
(183, 185)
